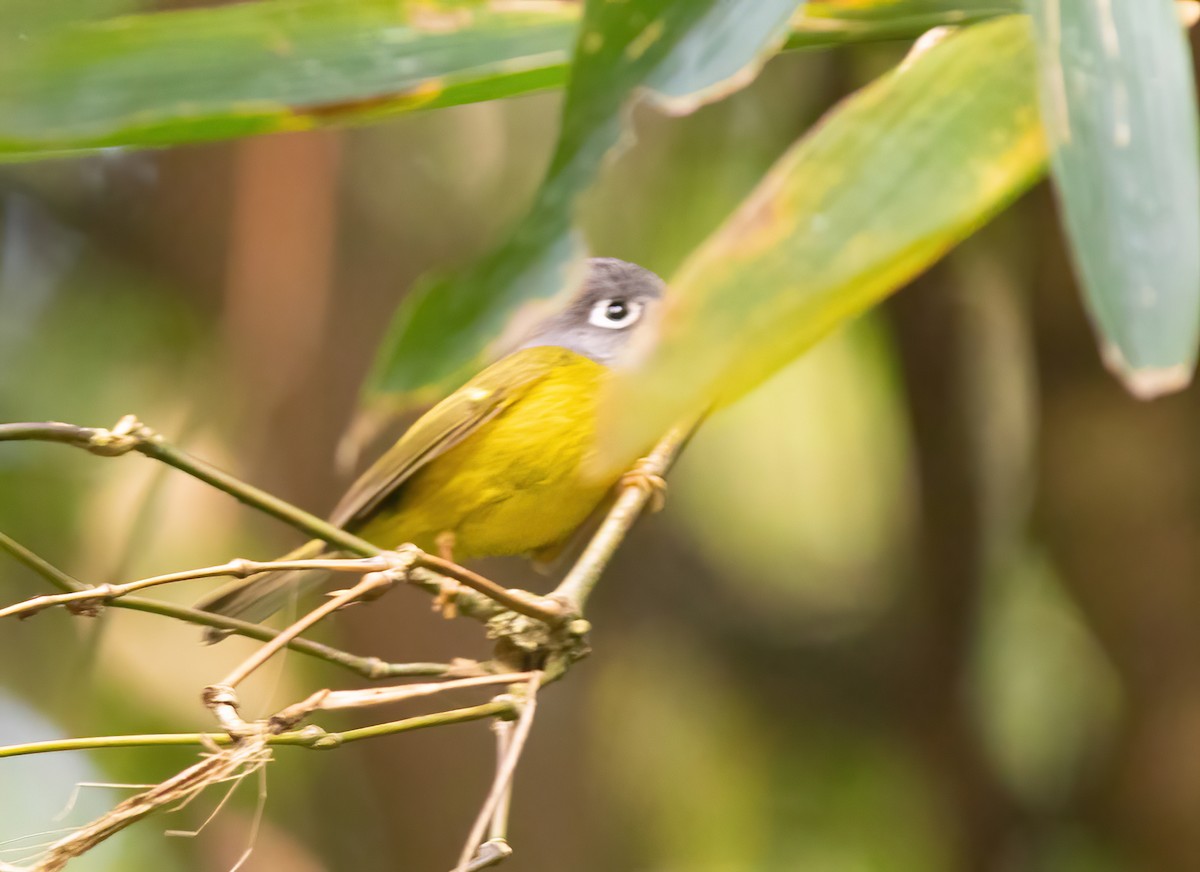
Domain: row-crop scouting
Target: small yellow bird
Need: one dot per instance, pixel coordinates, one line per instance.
(500, 467)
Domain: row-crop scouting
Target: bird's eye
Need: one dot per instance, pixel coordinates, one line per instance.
(615, 313)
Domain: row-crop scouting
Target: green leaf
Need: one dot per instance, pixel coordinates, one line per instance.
(883, 187)
(1119, 102)
(830, 22)
(78, 76)
(891, 13)
(248, 68)
(679, 53)
(892, 10)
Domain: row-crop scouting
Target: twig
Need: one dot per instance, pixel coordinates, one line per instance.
(312, 737)
(517, 601)
(490, 853)
(498, 828)
(368, 667)
(250, 742)
(189, 782)
(239, 568)
(505, 767)
(501, 707)
(246, 753)
(334, 700)
(45, 569)
(370, 584)
(574, 590)
(131, 435)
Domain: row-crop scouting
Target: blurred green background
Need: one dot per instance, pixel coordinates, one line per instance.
(925, 601)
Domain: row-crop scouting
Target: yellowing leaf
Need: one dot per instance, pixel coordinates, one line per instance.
(884, 186)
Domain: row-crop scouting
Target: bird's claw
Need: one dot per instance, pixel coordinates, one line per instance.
(645, 477)
(446, 601)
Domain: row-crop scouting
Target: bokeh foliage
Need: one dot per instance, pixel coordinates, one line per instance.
(851, 643)
(168, 78)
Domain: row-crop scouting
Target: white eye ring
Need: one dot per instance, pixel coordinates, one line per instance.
(614, 313)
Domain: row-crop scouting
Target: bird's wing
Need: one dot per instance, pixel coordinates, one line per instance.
(445, 426)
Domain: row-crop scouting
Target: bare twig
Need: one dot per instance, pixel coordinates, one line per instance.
(309, 737)
(491, 853)
(131, 435)
(371, 584)
(517, 601)
(498, 828)
(505, 767)
(213, 768)
(92, 597)
(642, 488)
(46, 570)
(368, 667)
(551, 637)
(333, 700)
(245, 754)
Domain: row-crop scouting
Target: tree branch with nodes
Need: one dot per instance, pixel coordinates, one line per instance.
(537, 639)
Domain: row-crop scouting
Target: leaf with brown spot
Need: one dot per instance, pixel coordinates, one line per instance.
(678, 53)
(248, 68)
(888, 182)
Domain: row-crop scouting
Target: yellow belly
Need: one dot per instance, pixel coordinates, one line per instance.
(512, 487)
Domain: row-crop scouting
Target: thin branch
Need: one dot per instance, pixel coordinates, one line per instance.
(643, 487)
(250, 742)
(245, 755)
(240, 568)
(368, 667)
(334, 700)
(131, 435)
(91, 743)
(506, 766)
(42, 567)
(501, 707)
(491, 853)
(517, 601)
(311, 737)
(212, 769)
(373, 583)
(498, 828)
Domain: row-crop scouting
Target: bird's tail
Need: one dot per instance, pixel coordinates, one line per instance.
(257, 597)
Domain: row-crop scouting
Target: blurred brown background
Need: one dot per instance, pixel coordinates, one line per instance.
(929, 600)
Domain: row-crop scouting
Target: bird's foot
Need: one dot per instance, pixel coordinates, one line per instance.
(446, 601)
(644, 477)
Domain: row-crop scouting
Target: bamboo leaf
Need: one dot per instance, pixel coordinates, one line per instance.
(825, 23)
(1119, 100)
(928, 13)
(892, 179)
(165, 78)
(247, 68)
(679, 53)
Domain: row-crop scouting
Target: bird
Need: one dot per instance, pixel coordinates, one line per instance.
(501, 466)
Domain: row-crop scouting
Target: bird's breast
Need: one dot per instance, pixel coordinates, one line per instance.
(517, 484)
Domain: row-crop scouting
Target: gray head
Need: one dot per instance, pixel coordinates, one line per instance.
(616, 301)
